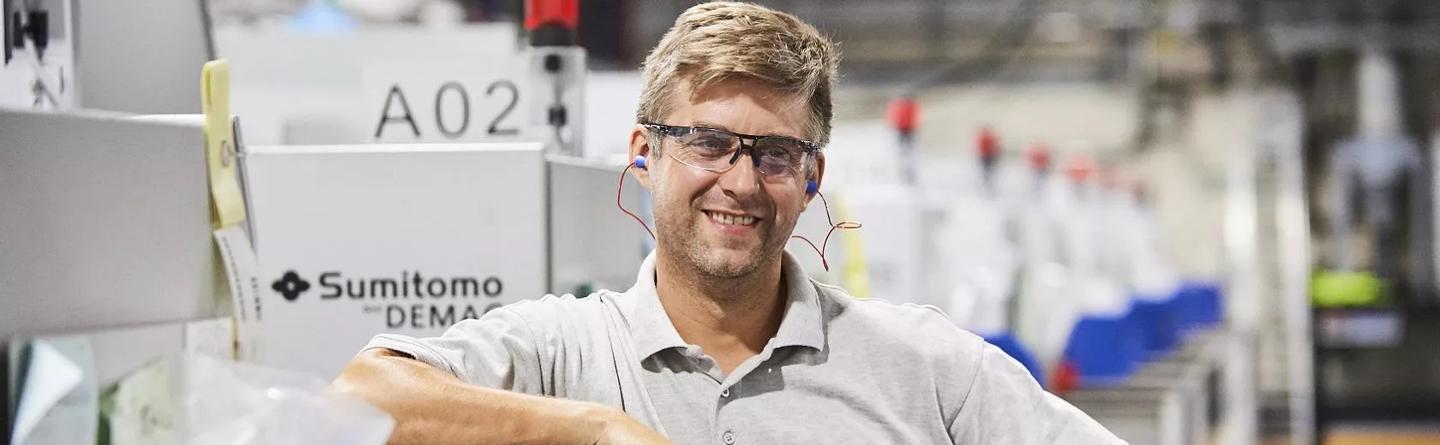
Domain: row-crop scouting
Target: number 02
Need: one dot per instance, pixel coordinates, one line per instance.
(494, 128)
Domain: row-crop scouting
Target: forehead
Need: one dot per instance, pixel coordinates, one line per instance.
(742, 105)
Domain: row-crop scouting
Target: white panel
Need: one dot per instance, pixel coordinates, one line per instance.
(104, 222)
(358, 215)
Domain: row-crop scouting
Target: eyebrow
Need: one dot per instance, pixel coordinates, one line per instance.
(715, 126)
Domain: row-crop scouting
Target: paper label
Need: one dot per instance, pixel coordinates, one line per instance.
(238, 255)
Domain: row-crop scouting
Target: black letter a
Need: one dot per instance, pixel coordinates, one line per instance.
(385, 116)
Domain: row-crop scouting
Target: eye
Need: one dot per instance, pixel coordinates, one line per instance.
(708, 142)
(780, 151)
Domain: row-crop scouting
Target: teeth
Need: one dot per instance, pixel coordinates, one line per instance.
(731, 219)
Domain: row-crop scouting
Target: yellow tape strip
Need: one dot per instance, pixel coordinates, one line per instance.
(228, 206)
(855, 276)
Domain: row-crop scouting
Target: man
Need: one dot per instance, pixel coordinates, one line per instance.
(722, 339)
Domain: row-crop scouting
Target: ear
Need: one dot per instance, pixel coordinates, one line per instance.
(817, 175)
(640, 146)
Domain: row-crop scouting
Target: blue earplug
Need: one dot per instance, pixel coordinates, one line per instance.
(640, 162)
(811, 187)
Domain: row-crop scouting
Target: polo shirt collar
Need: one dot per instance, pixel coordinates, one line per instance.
(654, 332)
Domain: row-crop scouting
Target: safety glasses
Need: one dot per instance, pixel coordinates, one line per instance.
(716, 150)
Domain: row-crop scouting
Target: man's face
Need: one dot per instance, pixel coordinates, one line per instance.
(728, 224)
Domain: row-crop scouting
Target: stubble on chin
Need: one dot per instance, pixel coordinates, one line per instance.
(683, 234)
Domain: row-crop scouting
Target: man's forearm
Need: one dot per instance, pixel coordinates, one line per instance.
(431, 406)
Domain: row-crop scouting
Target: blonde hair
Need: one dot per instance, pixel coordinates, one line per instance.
(713, 42)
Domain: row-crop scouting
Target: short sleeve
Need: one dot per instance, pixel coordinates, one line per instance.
(1006, 405)
(498, 350)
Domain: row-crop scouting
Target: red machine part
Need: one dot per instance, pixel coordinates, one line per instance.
(1080, 168)
(903, 114)
(988, 144)
(1038, 156)
(540, 12)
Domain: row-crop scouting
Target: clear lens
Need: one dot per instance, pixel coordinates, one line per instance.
(778, 155)
(711, 143)
(708, 149)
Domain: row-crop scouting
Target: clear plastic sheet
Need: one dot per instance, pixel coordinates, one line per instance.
(197, 400)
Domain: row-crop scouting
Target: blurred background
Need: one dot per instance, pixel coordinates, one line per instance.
(1201, 221)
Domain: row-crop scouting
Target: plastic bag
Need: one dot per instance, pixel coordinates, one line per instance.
(197, 400)
(230, 403)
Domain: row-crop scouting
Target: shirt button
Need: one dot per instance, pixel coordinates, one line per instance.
(728, 437)
(725, 393)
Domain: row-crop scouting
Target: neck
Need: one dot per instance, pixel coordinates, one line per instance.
(731, 319)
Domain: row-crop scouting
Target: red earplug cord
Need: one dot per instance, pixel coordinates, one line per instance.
(619, 192)
(848, 225)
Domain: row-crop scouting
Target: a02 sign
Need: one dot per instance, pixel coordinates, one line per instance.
(448, 101)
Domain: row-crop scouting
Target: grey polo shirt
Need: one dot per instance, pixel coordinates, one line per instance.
(839, 370)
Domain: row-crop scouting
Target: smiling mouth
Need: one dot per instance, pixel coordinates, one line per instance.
(731, 220)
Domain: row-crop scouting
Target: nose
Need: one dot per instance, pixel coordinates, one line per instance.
(742, 180)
